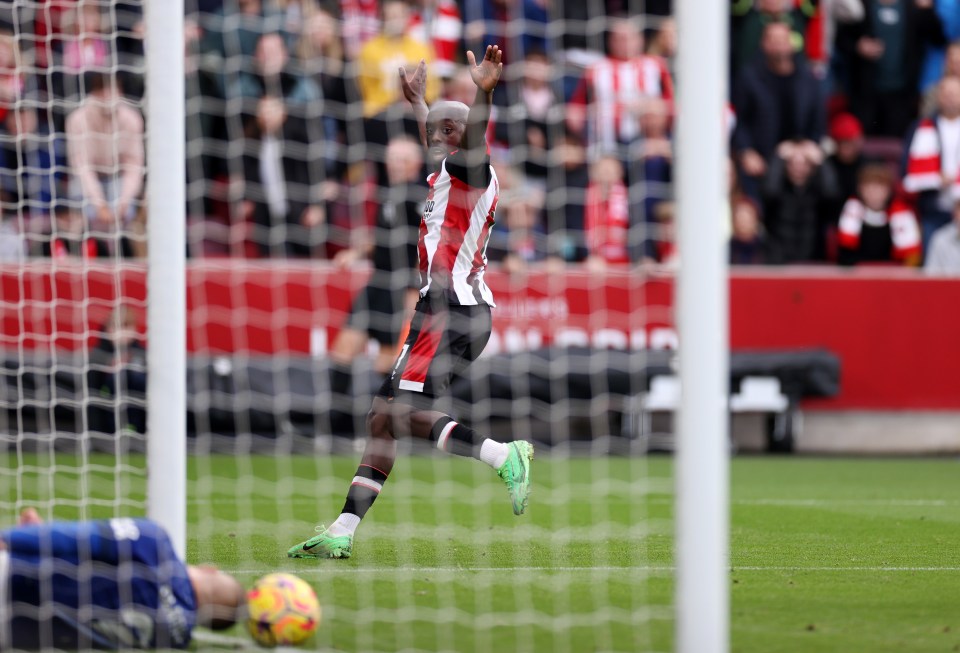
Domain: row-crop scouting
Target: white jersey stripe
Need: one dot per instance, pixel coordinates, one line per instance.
(464, 263)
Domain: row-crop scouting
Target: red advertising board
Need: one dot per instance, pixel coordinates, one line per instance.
(897, 333)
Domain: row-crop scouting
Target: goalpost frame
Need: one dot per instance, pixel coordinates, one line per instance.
(702, 459)
(166, 269)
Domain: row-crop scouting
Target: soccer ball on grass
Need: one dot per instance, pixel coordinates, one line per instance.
(282, 610)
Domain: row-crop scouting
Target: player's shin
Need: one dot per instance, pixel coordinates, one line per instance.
(364, 490)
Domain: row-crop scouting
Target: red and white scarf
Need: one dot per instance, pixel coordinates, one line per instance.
(924, 161)
(904, 231)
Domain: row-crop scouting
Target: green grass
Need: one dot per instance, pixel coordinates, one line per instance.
(826, 555)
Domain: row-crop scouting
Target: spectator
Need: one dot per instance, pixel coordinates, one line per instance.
(529, 115)
(943, 257)
(31, 161)
(665, 216)
(614, 92)
(361, 22)
(565, 202)
(494, 21)
(875, 225)
(438, 22)
(607, 214)
(283, 166)
(884, 52)
(205, 125)
(118, 372)
(14, 84)
(662, 41)
(385, 112)
(934, 59)
(13, 246)
(798, 191)
(749, 20)
(382, 55)
(518, 238)
(272, 74)
(777, 99)
(87, 47)
(105, 153)
(951, 68)
(933, 160)
(747, 243)
(656, 156)
(380, 310)
(67, 238)
(321, 50)
(822, 28)
(230, 36)
(847, 157)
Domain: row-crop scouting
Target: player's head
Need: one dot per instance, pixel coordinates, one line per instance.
(219, 596)
(446, 123)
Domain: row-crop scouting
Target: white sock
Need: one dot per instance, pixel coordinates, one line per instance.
(494, 453)
(346, 524)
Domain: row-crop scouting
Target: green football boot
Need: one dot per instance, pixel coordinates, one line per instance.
(323, 545)
(515, 472)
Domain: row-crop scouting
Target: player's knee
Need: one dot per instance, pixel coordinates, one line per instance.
(378, 424)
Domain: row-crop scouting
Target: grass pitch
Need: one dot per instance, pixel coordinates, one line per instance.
(826, 555)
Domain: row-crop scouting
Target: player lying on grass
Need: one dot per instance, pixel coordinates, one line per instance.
(111, 584)
(451, 324)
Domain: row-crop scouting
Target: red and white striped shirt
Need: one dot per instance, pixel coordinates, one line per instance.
(360, 22)
(608, 89)
(457, 218)
(442, 27)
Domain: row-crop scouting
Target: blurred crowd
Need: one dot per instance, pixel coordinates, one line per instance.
(844, 127)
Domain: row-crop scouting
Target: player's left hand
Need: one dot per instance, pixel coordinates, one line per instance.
(414, 87)
(486, 74)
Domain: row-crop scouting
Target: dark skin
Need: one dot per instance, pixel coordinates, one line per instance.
(444, 128)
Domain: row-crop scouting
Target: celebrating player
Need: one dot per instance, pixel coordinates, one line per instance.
(451, 324)
(105, 584)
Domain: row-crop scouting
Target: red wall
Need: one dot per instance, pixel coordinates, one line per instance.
(897, 333)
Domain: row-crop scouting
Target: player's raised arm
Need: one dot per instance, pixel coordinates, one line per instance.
(485, 75)
(414, 89)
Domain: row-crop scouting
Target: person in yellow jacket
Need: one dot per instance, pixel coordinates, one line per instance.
(383, 55)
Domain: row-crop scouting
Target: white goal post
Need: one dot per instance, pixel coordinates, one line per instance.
(702, 521)
(166, 268)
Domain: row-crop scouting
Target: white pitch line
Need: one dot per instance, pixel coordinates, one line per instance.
(641, 569)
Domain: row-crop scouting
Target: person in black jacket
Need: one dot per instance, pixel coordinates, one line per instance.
(798, 191)
(883, 53)
(283, 165)
(381, 308)
(777, 99)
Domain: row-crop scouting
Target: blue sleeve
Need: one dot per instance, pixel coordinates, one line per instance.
(101, 582)
(70, 541)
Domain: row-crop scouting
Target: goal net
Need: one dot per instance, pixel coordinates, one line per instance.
(305, 186)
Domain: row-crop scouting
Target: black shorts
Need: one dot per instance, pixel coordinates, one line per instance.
(444, 339)
(378, 310)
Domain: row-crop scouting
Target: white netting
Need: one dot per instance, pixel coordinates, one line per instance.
(302, 164)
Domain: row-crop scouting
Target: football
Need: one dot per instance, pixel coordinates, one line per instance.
(282, 610)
